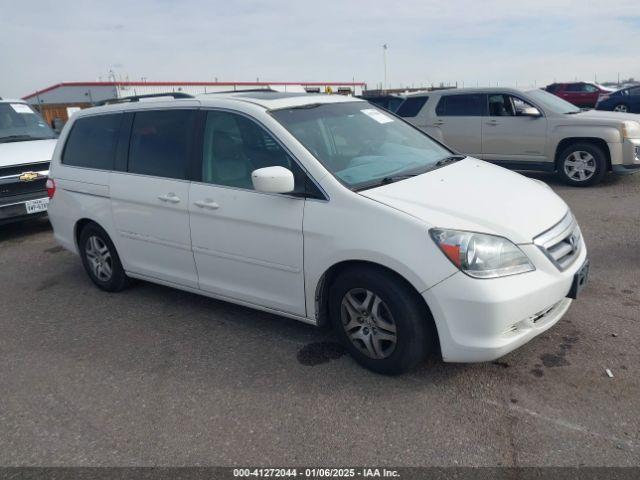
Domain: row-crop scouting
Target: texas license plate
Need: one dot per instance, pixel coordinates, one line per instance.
(35, 206)
(579, 280)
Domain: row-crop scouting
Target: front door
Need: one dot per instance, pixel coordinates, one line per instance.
(247, 245)
(508, 135)
(150, 199)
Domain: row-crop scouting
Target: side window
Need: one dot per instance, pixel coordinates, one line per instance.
(500, 106)
(159, 144)
(520, 105)
(234, 146)
(469, 105)
(635, 92)
(92, 142)
(575, 87)
(590, 88)
(411, 106)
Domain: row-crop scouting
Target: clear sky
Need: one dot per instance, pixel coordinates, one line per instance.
(475, 42)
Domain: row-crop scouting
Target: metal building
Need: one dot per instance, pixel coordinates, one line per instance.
(58, 102)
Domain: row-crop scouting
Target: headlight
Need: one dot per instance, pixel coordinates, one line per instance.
(480, 255)
(630, 130)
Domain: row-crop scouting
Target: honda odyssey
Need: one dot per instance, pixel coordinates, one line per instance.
(320, 208)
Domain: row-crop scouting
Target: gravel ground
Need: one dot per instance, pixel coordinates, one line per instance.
(155, 376)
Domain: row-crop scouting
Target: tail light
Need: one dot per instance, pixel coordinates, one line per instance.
(51, 187)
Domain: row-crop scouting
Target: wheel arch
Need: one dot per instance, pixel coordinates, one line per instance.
(79, 226)
(328, 277)
(598, 142)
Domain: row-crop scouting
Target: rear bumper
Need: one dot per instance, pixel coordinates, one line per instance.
(481, 320)
(13, 208)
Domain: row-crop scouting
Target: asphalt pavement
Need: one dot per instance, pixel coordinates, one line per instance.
(156, 376)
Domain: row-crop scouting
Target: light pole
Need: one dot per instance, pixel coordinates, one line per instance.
(384, 60)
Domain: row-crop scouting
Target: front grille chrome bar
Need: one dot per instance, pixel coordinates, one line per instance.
(562, 243)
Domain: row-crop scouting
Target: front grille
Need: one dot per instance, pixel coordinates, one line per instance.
(16, 187)
(11, 184)
(20, 169)
(561, 243)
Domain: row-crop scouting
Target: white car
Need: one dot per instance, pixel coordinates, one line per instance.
(323, 209)
(532, 130)
(26, 147)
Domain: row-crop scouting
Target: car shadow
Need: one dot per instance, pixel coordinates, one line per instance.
(17, 231)
(553, 180)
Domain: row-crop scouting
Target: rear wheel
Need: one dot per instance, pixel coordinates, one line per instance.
(621, 107)
(380, 320)
(582, 164)
(100, 259)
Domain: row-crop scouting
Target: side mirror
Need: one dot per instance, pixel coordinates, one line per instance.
(530, 112)
(273, 180)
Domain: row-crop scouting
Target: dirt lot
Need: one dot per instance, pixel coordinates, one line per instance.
(154, 376)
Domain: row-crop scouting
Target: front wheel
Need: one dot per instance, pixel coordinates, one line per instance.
(582, 164)
(621, 108)
(380, 320)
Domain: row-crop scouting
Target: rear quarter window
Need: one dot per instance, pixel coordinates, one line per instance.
(468, 105)
(411, 106)
(92, 142)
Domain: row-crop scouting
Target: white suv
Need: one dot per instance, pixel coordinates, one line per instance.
(320, 208)
(532, 130)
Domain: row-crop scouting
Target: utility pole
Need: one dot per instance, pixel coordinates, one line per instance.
(384, 61)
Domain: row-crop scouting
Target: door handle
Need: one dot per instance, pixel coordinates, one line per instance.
(437, 123)
(206, 203)
(492, 122)
(169, 197)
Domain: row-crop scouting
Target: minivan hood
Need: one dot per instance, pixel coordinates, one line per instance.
(31, 151)
(476, 196)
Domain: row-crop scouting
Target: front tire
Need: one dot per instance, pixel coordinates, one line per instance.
(100, 259)
(380, 320)
(582, 164)
(621, 107)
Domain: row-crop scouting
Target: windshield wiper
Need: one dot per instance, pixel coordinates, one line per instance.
(403, 176)
(450, 159)
(17, 138)
(395, 178)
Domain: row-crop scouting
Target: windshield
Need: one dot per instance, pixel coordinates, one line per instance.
(18, 122)
(552, 102)
(360, 144)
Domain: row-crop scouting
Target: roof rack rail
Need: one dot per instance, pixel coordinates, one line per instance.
(137, 98)
(246, 90)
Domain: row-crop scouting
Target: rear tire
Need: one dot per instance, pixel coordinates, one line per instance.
(100, 259)
(582, 164)
(380, 320)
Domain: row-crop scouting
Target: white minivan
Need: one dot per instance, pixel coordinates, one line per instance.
(320, 208)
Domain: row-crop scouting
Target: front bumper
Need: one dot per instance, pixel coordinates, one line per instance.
(483, 319)
(630, 155)
(14, 209)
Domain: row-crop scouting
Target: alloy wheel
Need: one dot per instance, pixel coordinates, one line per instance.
(580, 166)
(621, 108)
(368, 323)
(99, 258)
